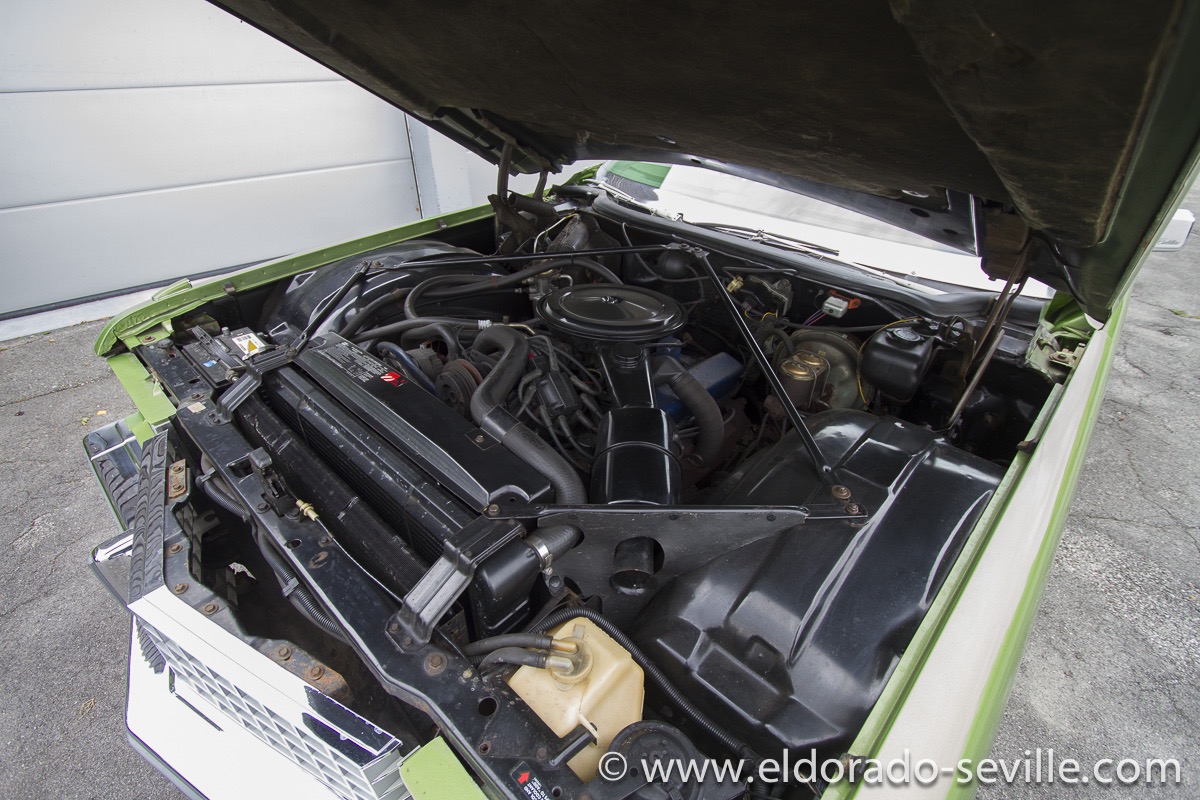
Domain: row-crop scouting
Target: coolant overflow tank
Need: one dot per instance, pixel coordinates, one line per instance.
(603, 691)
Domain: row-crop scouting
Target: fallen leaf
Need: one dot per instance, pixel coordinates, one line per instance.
(87, 707)
(84, 421)
(101, 412)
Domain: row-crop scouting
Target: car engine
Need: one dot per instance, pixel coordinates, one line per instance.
(752, 480)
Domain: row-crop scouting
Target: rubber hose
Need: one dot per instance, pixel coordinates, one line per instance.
(225, 501)
(307, 605)
(556, 539)
(514, 655)
(704, 408)
(370, 310)
(652, 671)
(539, 208)
(300, 598)
(539, 641)
(410, 302)
(407, 325)
(478, 283)
(487, 409)
(514, 355)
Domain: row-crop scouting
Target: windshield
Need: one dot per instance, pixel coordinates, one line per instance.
(781, 218)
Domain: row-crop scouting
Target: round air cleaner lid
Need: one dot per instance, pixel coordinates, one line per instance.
(612, 312)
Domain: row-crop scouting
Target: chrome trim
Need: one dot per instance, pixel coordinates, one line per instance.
(227, 681)
(202, 697)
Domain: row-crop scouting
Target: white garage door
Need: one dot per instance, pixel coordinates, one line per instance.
(146, 140)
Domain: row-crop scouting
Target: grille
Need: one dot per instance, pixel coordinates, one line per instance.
(325, 750)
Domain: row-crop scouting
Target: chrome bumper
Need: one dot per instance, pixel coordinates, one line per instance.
(213, 713)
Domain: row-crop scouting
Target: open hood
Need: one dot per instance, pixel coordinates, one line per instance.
(1063, 124)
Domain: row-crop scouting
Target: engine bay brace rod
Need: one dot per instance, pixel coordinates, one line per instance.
(824, 468)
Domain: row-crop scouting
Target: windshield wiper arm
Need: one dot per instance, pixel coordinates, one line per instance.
(765, 237)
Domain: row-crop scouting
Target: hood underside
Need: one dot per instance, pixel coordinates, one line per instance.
(1036, 107)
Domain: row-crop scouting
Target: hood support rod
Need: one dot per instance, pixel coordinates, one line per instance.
(823, 467)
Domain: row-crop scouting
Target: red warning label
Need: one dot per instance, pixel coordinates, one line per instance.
(394, 378)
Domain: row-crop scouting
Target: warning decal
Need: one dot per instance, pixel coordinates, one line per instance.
(248, 343)
(530, 784)
(394, 378)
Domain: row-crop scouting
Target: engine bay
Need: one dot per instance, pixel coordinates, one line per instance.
(750, 476)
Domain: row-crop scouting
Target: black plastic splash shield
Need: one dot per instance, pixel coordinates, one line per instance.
(791, 637)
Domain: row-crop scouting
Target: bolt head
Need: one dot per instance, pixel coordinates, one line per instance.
(315, 671)
(394, 627)
(262, 507)
(284, 652)
(210, 608)
(175, 548)
(180, 588)
(493, 510)
(840, 492)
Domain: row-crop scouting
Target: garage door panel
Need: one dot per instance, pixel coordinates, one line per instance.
(71, 44)
(128, 140)
(95, 246)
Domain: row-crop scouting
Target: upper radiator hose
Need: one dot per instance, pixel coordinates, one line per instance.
(487, 409)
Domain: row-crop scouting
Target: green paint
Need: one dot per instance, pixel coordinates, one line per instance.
(435, 773)
(1066, 319)
(159, 310)
(153, 406)
(579, 178)
(1004, 670)
(650, 174)
(141, 429)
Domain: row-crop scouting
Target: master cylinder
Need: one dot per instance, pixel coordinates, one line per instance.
(602, 690)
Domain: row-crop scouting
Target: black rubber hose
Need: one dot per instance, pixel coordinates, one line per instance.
(539, 208)
(300, 598)
(556, 539)
(653, 672)
(408, 325)
(538, 641)
(225, 501)
(526, 445)
(514, 357)
(422, 288)
(487, 409)
(514, 655)
(703, 407)
(371, 309)
(708, 415)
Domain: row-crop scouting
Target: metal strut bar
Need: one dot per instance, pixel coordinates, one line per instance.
(602, 251)
(823, 467)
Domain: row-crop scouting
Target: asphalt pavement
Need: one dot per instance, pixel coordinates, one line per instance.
(1110, 672)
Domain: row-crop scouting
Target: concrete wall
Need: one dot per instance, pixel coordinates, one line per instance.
(145, 140)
